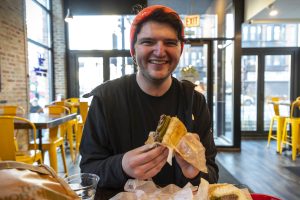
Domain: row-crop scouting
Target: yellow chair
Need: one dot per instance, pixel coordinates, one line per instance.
(55, 140)
(7, 142)
(72, 127)
(280, 121)
(12, 110)
(73, 104)
(83, 109)
(292, 139)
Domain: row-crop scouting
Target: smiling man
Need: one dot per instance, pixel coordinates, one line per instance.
(123, 111)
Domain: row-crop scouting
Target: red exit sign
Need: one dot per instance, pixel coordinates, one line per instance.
(192, 20)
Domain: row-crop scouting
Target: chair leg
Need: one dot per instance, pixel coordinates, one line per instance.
(294, 134)
(270, 132)
(53, 157)
(63, 156)
(78, 137)
(284, 136)
(70, 140)
(280, 124)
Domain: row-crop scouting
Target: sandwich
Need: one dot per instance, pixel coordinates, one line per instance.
(221, 191)
(171, 132)
(226, 192)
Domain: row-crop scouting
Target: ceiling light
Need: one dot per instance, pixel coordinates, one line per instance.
(272, 11)
(69, 16)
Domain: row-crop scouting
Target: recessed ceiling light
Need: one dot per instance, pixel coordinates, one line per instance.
(273, 12)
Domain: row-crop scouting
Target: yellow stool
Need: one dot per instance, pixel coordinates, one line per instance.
(280, 122)
(293, 139)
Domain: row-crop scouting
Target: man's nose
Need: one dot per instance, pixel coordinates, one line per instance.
(159, 48)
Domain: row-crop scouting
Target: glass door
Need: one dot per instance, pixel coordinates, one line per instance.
(265, 74)
(277, 83)
(249, 93)
(197, 65)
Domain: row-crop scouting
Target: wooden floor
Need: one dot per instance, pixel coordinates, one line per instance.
(258, 167)
(263, 170)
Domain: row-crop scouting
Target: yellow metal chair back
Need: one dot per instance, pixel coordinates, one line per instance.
(11, 110)
(57, 109)
(60, 103)
(275, 104)
(83, 108)
(293, 139)
(73, 104)
(7, 142)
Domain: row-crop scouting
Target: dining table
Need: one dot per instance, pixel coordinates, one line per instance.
(44, 121)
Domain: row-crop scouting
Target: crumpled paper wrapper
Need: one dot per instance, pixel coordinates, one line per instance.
(189, 148)
(147, 190)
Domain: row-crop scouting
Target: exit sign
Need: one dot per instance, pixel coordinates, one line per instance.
(192, 20)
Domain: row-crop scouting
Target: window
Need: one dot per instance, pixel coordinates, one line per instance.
(97, 32)
(39, 50)
(270, 35)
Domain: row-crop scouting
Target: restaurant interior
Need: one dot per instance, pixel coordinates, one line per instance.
(243, 55)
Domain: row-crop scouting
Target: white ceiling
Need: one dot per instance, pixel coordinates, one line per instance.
(288, 12)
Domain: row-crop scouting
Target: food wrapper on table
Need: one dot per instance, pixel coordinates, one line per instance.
(147, 190)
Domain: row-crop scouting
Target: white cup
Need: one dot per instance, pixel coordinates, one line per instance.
(84, 184)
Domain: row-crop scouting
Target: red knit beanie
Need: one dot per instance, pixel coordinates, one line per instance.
(144, 14)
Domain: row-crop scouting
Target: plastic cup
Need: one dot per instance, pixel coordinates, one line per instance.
(84, 184)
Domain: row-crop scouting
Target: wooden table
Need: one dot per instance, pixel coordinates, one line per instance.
(44, 121)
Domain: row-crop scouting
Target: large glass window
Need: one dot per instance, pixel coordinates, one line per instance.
(270, 35)
(39, 50)
(105, 32)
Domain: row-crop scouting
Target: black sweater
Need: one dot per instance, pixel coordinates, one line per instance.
(120, 118)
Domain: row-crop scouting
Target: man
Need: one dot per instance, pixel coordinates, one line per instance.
(123, 111)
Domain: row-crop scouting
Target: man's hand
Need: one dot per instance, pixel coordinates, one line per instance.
(188, 170)
(144, 162)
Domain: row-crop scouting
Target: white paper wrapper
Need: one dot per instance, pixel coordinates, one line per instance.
(189, 148)
(146, 190)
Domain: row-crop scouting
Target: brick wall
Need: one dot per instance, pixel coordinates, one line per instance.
(59, 49)
(13, 72)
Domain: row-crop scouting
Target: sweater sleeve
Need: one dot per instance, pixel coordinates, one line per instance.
(203, 126)
(97, 155)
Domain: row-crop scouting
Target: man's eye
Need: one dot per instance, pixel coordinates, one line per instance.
(172, 43)
(147, 42)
